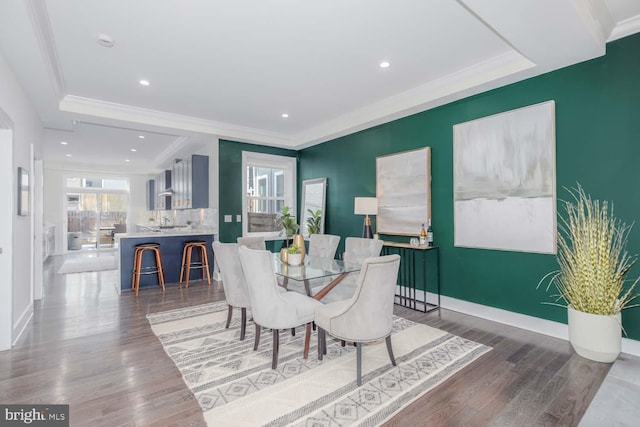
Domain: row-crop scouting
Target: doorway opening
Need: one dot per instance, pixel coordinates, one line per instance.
(96, 211)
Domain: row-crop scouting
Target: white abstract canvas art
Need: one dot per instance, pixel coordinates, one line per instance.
(505, 181)
(403, 189)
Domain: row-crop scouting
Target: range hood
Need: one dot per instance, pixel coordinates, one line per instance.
(166, 192)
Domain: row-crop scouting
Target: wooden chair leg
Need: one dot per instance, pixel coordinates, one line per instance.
(359, 363)
(293, 332)
(342, 343)
(390, 350)
(188, 261)
(256, 341)
(229, 313)
(184, 258)
(138, 267)
(159, 267)
(243, 323)
(134, 272)
(276, 345)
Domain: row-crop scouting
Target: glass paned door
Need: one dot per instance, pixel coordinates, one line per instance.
(82, 220)
(113, 217)
(93, 218)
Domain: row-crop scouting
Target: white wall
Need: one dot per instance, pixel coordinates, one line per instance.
(27, 130)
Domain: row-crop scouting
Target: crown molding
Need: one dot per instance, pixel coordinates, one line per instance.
(128, 113)
(171, 151)
(44, 35)
(596, 18)
(463, 83)
(625, 28)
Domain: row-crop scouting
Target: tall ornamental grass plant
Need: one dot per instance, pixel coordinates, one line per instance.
(592, 257)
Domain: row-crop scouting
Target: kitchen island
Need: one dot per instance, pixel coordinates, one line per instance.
(171, 245)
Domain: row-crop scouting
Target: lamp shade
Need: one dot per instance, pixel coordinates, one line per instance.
(365, 206)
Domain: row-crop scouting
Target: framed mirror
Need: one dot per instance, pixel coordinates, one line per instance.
(314, 193)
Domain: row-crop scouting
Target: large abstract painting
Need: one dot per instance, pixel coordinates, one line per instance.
(403, 189)
(505, 181)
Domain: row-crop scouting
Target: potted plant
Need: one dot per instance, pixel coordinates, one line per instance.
(188, 224)
(313, 221)
(290, 227)
(591, 279)
(294, 255)
(288, 223)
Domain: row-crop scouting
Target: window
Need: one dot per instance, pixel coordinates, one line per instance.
(269, 184)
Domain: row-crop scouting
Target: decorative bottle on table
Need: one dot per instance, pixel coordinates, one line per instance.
(423, 236)
(430, 234)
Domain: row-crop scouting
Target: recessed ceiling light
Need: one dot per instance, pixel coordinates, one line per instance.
(285, 115)
(63, 142)
(141, 136)
(68, 155)
(144, 82)
(105, 40)
(127, 160)
(384, 64)
(134, 150)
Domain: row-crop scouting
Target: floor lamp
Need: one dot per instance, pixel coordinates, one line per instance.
(366, 206)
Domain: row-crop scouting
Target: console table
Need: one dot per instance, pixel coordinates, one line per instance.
(419, 272)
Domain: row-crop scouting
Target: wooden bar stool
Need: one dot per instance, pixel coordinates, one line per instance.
(188, 263)
(139, 269)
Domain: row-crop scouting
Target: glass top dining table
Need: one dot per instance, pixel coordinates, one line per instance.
(314, 268)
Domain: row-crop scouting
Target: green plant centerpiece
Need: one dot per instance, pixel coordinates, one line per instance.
(294, 255)
(288, 222)
(293, 249)
(313, 221)
(592, 277)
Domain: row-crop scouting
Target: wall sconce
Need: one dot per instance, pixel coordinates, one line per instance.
(366, 206)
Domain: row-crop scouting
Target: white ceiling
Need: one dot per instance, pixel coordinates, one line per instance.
(231, 68)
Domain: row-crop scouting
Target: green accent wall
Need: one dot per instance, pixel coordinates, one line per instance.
(597, 145)
(230, 175)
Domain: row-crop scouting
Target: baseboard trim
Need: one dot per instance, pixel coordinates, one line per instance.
(518, 320)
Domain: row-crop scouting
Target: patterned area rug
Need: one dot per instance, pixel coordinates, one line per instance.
(236, 386)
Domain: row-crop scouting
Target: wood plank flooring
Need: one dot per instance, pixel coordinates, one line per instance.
(90, 348)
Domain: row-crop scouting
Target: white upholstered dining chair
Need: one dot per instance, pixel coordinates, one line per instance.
(233, 281)
(356, 251)
(368, 315)
(323, 245)
(270, 306)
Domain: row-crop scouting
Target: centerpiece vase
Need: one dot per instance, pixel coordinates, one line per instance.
(298, 240)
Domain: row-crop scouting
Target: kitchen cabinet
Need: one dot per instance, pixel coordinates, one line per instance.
(151, 194)
(163, 191)
(190, 179)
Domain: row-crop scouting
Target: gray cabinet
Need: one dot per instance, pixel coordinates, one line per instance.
(163, 191)
(151, 194)
(190, 181)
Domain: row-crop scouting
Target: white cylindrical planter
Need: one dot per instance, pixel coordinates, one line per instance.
(594, 336)
(294, 259)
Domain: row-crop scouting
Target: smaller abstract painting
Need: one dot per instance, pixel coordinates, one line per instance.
(403, 189)
(504, 181)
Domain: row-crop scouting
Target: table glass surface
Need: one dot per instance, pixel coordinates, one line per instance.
(313, 268)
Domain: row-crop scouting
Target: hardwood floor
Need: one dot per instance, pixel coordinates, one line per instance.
(90, 348)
